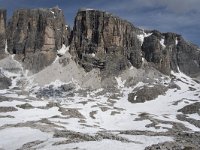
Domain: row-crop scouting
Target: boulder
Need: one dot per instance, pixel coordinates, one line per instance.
(25, 106)
(5, 82)
(191, 109)
(140, 95)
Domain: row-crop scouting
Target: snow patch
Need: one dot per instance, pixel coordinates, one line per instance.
(162, 41)
(92, 55)
(120, 83)
(14, 138)
(6, 48)
(56, 59)
(176, 41)
(142, 36)
(63, 50)
(143, 59)
(52, 12)
(131, 68)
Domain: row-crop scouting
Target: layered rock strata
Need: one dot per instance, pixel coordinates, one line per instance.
(100, 40)
(35, 35)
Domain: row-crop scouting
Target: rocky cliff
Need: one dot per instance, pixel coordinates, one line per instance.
(35, 35)
(101, 40)
(2, 32)
(169, 51)
(98, 40)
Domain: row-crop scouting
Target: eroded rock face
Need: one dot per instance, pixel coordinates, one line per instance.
(188, 58)
(169, 51)
(156, 53)
(99, 40)
(2, 32)
(191, 109)
(146, 93)
(36, 34)
(4, 82)
(99, 36)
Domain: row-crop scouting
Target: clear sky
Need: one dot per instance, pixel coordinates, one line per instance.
(180, 16)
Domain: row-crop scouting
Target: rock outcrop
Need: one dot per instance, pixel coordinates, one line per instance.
(100, 40)
(5, 82)
(2, 32)
(140, 95)
(35, 35)
(99, 37)
(188, 57)
(169, 51)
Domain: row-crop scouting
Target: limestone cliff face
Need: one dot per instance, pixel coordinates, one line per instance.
(169, 51)
(2, 32)
(98, 40)
(99, 37)
(36, 34)
(188, 57)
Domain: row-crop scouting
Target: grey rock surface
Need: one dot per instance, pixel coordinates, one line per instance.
(106, 38)
(191, 109)
(2, 32)
(35, 35)
(5, 82)
(146, 93)
(176, 53)
(154, 52)
(65, 90)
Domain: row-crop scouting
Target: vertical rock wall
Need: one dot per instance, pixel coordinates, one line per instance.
(2, 32)
(35, 35)
(106, 38)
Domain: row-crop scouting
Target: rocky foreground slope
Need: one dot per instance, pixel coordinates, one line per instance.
(105, 83)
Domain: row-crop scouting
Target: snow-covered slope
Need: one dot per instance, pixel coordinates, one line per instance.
(97, 119)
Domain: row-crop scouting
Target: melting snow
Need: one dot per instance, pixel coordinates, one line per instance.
(142, 36)
(140, 144)
(52, 12)
(161, 108)
(56, 59)
(176, 41)
(93, 54)
(120, 83)
(14, 138)
(162, 41)
(63, 50)
(6, 48)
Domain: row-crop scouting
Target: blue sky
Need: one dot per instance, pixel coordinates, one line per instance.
(180, 16)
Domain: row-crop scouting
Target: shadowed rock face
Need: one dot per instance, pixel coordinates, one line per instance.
(36, 34)
(102, 35)
(188, 58)
(169, 51)
(2, 32)
(157, 53)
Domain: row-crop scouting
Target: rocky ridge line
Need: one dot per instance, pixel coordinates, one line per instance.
(98, 40)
